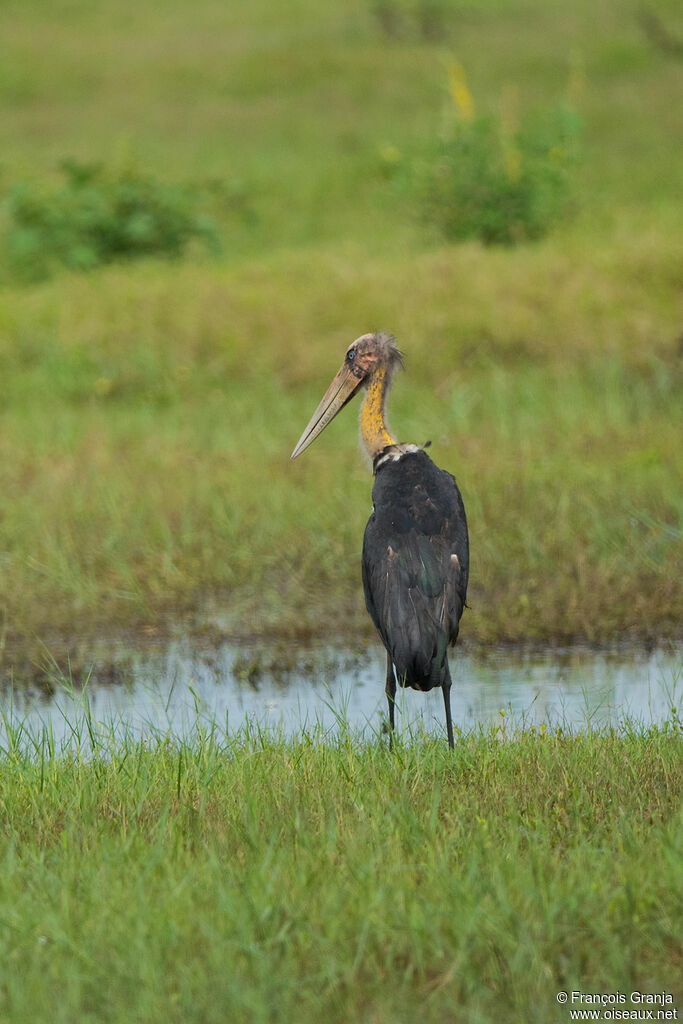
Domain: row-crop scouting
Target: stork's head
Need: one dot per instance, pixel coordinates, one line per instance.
(368, 357)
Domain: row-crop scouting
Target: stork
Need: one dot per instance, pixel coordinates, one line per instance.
(415, 547)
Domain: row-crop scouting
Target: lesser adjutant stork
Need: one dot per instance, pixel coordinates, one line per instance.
(415, 548)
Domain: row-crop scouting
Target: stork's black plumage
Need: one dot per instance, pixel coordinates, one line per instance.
(415, 548)
(415, 567)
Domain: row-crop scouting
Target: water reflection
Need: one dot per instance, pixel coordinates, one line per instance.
(163, 688)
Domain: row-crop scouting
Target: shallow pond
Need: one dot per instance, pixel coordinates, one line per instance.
(163, 686)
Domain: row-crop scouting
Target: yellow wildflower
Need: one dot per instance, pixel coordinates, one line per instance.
(461, 95)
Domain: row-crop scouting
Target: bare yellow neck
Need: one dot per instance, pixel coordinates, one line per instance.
(373, 429)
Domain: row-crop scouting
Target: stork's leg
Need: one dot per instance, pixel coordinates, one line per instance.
(446, 687)
(390, 690)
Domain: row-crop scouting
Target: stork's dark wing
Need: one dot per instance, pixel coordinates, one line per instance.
(416, 565)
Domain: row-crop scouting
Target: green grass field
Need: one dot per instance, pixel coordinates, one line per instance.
(147, 411)
(140, 478)
(147, 415)
(257, 878)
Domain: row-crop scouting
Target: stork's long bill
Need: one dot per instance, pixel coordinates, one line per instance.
(370, 362)
(341, 390)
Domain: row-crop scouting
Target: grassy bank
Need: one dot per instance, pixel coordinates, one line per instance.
(259, 878)
(147, 411)
(147, 417)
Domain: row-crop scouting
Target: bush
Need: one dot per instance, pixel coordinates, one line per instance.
(496, 181)
(98, 217)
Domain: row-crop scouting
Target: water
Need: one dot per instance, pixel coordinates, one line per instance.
(163, 688)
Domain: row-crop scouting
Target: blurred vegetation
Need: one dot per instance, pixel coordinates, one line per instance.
(495, 178)
(427, 20)
(291, 111)
(98, 217)
(148, 409)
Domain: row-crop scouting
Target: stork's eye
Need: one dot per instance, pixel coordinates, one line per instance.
(351, 355)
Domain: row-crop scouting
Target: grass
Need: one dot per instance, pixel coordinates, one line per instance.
(147, 412)
(258, 877)
(139, 414)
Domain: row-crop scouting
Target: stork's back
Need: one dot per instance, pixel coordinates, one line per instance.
(416, 566)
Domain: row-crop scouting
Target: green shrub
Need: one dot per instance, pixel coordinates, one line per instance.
(99, 217)
(492, 179)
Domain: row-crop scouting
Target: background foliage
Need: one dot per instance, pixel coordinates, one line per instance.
(97, 217)
(148, 408)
